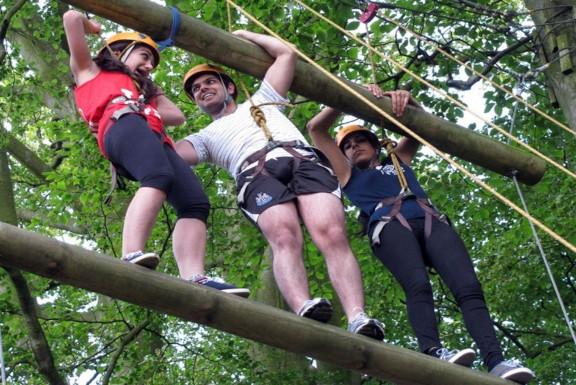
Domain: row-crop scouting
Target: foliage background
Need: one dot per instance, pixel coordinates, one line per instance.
(90, 335)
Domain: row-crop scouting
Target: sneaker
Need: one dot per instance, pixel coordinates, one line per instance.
(512, 370)
(368, 327)
(463, 357)
(318, 309)
(219, 284)
(149, 260)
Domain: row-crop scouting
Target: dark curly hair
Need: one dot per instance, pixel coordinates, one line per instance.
(107, 62)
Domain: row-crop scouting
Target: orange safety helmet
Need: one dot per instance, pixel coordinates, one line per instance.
(202, 69)
(354, 128)
(134, 38)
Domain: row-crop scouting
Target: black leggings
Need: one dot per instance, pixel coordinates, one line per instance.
(407, 253)
(139, 153)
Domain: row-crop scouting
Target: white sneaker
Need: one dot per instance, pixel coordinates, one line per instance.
(366, 326)
(463, 357)
(512, 370)
(149, 260)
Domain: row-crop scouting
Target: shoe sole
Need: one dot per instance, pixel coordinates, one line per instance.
(464, 357)
(521, 376)
(371, 330)
(322, 312)
(244, 293)
(147, 261)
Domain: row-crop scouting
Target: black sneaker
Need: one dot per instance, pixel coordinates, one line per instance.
(463, 357)
(318, 309)
(366, 326)
(220, 285)
(148, 260)
(512, 370)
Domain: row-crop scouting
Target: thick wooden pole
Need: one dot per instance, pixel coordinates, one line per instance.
(223, 47)
(249, 319)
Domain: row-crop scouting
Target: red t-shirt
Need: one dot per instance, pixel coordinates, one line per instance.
(94, 101)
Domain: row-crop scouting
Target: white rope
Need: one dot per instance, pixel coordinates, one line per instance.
(2, 360)
(535, 233)
(545, 259)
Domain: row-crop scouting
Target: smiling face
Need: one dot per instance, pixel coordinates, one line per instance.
(141, 60)
(359, 150)
(209, 93)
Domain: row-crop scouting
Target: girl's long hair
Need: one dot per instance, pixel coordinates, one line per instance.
(107, 62)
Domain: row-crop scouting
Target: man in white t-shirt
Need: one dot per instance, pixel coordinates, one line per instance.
(280, 181)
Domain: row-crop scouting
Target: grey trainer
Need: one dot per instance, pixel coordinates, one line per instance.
(464, 357)
(366, 326)
(512, 370)
(318, 309)
(149, 260)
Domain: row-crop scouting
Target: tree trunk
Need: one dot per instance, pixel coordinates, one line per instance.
(39, 344)
(554, 20)
(248, 319)
(215, 44)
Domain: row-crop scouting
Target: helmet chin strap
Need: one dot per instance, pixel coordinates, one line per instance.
(227, 100)
(127, 51)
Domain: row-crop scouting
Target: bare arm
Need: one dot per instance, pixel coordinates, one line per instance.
(281, 72)
(170, 113)
(76, 27)
(318, 129)
(187, 152)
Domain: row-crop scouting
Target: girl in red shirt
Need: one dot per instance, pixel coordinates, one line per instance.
(127, 113)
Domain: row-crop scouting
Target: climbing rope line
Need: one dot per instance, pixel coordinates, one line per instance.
(484, 77)
(255, 110)
(539, 244)
(369, 103)
(441, 92)
(2, 367)
(386, 142)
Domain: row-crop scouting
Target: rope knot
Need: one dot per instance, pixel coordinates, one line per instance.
(258, 116)
(388, 144)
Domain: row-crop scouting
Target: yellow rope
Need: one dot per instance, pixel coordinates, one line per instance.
(255, 111)
(441, 92)
(387, 143)
(361, 97)
(479, 74)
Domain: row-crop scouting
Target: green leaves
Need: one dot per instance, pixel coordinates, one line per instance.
(84, 330)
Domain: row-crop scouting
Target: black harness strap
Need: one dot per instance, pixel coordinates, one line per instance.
(425, 204)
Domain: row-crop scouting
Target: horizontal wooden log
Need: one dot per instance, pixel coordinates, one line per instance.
(89, 270)
(215, 44)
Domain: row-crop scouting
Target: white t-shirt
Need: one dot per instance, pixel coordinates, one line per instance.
(229, 140)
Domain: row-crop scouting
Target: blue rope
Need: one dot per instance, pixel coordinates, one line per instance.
(169, 42)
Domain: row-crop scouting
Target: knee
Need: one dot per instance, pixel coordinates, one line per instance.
(161, 180)
(285, 238)
(330, 235)
(471, 291)
(418, 288)
(194, 210)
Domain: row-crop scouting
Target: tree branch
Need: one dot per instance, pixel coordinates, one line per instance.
(4, 27)
(128, 338)
(38, 342)
(25, 156)
(467, 84)
(29, 216)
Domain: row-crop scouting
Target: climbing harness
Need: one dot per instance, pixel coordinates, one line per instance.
(258, 158)
(396, 202)
(132, 107)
